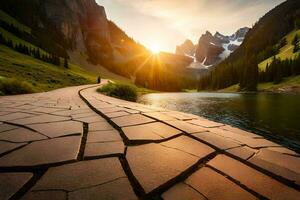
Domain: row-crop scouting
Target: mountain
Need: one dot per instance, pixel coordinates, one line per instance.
(261, 42)
(80, 32)
(212, 49)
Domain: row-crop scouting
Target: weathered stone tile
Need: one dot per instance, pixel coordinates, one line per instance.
(151, 131)
(46, 110)
(282, 150)
(45, 195)
(241, 132)
(189, 145)
(182, 191)
(131, 120)
(186, 127)
(181, 116)
(245, 138)
(242, 152)
(160, 116)
(21, 135)
(205, 123)
(7, 146)
(100, 126)
(111, 110)
(14, 116)
(283, 165)
(6, 127)
(83, 115)
(57, 129)
(117, 114)
(103, 136)
(91, 119)
(214, 186)
(10, 183)
(45, 118)
(153, 164)
(104, 149)
(80, 175)
(253, 179)
(119, 189)
(218, 141)
(43, 152)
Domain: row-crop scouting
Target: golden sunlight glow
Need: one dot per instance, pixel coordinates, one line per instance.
(155, 48)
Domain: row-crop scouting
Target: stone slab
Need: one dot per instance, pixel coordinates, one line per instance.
(119, 189)
(104, 149)
(205, 123)
(91, 119)
(7, 127)
(7, 146)
(57, 129)
(242, 152)
(14, 116)
(85, 174)
(10, 183)
(43, 152)
(189, 145)
(217, 141)
(153, 164)
(21, 135)
(45, 118)
(151, 131)
(214, 186)
(100, 126)
(186, 127)
(132, 120)
(182, 191)
(160, 116)
(103, 136)
(283, 165)
(253, 179)
(46, 195)
(117, 114)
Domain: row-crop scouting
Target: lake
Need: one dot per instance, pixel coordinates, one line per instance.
(275, 116)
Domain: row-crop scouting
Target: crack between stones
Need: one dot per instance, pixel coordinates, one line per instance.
(195, 190)
(259, 196)
(85, 131)
(28, 128)
(27, 186)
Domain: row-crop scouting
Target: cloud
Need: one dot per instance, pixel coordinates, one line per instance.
(191, 18)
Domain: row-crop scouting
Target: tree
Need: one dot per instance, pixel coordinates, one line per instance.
(66, 63)
(295, 42)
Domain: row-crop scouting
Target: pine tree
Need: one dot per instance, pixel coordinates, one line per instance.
(66, 63)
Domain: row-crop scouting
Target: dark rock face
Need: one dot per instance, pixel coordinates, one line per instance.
(211, 49)
(208, 50)
(82, 22)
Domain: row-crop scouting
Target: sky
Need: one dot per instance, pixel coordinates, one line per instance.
(164, 24)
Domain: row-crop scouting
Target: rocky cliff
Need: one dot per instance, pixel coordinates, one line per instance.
(211, 49)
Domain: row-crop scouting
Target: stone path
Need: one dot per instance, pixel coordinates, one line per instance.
(74, 143)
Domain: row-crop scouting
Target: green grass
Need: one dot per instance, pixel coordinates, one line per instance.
(285, 52)
(10, 20)
(293, 81)
(121, 91)
(42, 76)
(11, 86)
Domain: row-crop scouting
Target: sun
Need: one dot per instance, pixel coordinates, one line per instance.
(155, 48)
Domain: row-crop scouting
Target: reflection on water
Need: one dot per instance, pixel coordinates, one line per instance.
(275, 116)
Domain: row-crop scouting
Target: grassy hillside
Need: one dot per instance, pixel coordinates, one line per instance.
(285, 52)
(42, 76)
(290, 85)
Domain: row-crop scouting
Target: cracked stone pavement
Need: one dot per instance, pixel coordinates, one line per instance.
(74, 143)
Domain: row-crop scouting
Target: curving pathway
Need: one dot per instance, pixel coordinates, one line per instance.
(74, 143)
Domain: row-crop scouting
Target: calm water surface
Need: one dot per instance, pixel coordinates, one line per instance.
(275, 116)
